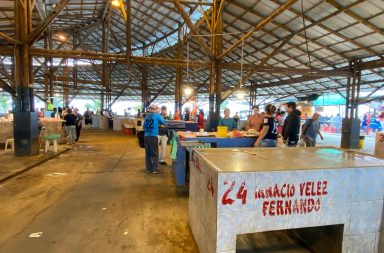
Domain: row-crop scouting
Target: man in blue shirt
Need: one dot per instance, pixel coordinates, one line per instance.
(230, 123)
(311, 129)
(151, 131)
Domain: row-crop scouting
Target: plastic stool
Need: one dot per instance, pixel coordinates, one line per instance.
(51, 138)
(9, 141)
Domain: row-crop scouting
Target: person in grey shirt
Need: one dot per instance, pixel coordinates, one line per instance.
(311, 129)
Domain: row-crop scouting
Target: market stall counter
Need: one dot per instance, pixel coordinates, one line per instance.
(180, 166)
(242, 191)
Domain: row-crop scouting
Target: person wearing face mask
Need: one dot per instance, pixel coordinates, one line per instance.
(256, 120)
(291, 127)
(227, 121)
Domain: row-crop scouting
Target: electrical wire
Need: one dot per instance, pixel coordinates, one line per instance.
(305, 34)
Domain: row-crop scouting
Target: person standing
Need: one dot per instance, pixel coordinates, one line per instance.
(269, 132)
(79, 123)
(163, 136)
(256, 120)
(177, 115)
(187, 114)
(200, 119)
(88, 118)
(280, 117)
(291, 127)
(227, 121)
(236, 118)
(70, 125)
(311, 129)
(151, 131)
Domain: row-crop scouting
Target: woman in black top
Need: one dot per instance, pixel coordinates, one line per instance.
(70, 125)
(268, 135)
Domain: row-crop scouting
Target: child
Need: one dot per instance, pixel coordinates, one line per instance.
(151, 129)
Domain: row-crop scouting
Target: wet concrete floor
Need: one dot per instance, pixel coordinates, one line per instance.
(94, 198)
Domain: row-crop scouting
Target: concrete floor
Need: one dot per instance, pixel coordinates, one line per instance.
(94, 198)
(97, 198)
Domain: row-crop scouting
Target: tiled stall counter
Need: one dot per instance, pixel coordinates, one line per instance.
(239, 191)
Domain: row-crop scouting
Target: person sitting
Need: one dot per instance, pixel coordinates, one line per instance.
(227, 121)
(269, 132)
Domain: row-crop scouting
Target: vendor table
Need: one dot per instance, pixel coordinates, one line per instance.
(240, 191)
(180, 166)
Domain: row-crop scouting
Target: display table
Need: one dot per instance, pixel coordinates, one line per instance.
(6, 131)
(180, 166)
(240, 191)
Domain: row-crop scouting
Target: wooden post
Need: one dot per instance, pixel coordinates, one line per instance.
(25, 117)
(144, 87)
(51, 70)
(128, 31)
(179, 72)
(216, 65)
(46, 72)
(218, 50)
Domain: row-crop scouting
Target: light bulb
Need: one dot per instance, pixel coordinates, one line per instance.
(188, 91)
(116, 3)
(240, 95)
(62, 37)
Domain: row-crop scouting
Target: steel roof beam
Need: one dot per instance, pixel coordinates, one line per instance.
(259, 25)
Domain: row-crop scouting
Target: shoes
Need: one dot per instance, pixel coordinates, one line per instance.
(156, 172)
(163, 163)
(147, 171)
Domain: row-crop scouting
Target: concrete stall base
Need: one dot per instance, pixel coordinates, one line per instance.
(242, 191)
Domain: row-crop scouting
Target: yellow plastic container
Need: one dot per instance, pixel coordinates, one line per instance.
(222, 131)
(361, 141)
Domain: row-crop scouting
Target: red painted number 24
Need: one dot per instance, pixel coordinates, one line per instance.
(241, 194)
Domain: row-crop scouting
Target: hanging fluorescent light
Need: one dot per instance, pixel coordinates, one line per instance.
(116, 3)
(188, 91)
